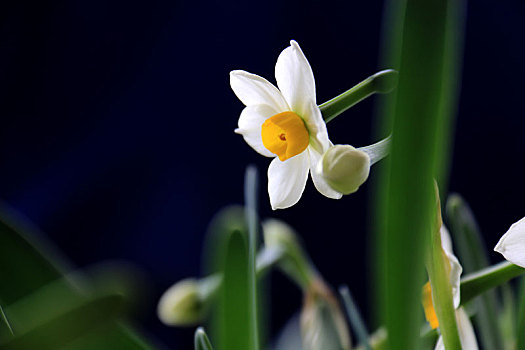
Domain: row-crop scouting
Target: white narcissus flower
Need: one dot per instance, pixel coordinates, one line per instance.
(466, 332)
(286, 124)
(512, 244)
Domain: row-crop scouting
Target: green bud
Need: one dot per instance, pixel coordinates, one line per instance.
(186, 302)
(344, 168)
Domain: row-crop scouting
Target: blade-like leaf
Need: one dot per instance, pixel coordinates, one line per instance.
(354, 316)
(67, 326)
(201, 340)
(28, 269)
(520, 330)
(421, 47)
(250, 198)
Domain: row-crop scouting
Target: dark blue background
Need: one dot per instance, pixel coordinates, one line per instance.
(116, 134)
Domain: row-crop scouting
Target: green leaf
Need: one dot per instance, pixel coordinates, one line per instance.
(479, 282)
(201, 340)
(520, 331)
(438, 272)
(65, 327)
(507, 317)
(381, 82)
(22, 266)
(421, 47)
(112, 335)
(6, 321)
(228, 244)
(29, 269)
(472, 254)
(354, 316)
(250, 198)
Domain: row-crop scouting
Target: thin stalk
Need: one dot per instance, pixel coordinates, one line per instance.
(476, 283)
(382, 82)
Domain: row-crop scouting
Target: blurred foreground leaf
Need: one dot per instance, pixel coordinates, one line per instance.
(250, 199)
(422, 45)
(520, 331)
(229, 235)
(45, 308)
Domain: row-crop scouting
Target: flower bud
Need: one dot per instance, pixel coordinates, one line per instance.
(186, 302)
(344, 168)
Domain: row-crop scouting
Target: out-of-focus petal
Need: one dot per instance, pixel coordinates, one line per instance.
(295, 78)
(254, 90)
(286, 180)
(250, 123)
(512, 244)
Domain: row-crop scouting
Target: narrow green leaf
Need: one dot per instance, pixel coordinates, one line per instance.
(507, 317)
(472, 254)
(381, 82)
(250, 195)
(439, 276)
(67, 326)
(22, 266)
(354, 316)
(112, 335)
(6, 321)
(27, 265)
(201, 340)
(420, 112)
(520, 331)
(235, 321)
(479, 282)
(228, 253)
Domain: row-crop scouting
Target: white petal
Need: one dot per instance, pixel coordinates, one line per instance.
(295, 78)
(455, 267)
(253, 90)
(512, 244)
(250, 123)
(466, 332)
(317, 128)
(286, 180)
(317, 178)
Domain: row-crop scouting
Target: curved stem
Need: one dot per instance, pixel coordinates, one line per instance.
(381, 82)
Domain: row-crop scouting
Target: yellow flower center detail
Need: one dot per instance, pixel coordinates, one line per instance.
(285, 135)
(428, 306)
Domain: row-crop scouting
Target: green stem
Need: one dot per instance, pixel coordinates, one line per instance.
(381, 82)
(476, 283)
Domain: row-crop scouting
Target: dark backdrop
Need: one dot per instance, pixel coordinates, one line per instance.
(117, 120)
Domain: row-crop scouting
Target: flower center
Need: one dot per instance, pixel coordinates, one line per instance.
(285, 135)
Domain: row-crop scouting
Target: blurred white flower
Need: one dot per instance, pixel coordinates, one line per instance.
(512, 244)
(286, 124)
